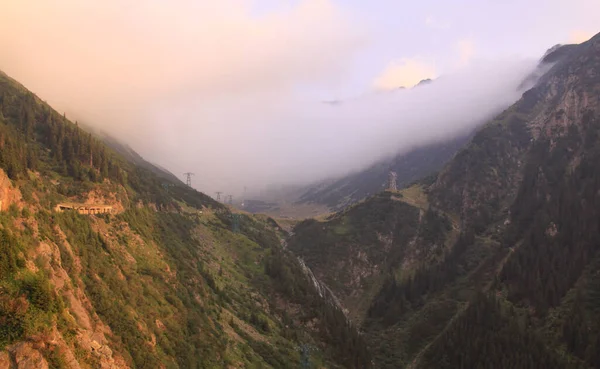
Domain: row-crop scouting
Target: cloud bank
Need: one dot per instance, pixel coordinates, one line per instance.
(214, 88)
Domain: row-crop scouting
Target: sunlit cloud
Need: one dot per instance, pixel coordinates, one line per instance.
(579, 36)
(214, 87)
(86, 56)
(405, 72)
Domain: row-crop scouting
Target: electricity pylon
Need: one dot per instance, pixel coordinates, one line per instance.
(392, 186)
(188, 179)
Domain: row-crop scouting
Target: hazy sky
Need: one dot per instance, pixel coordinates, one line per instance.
(231, 89)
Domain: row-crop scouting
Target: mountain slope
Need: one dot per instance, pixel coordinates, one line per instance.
(409, 167)
(169, 279)
(515, 283)
(130, 155)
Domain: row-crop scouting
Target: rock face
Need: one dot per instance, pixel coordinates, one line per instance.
(26, 357)
(4, 360)
(483, 178)
(8, 194)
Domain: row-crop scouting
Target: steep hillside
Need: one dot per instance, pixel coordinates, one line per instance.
(516, 284)
(168, 279)
(409, 167)
(133, 157)
(353, 251)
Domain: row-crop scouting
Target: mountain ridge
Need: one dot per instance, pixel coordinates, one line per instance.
(511, 229)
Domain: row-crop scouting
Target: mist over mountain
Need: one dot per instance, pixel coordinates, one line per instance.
(483, 253)
(240, 116)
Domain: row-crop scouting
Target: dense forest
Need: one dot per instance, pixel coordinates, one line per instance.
(489, 335)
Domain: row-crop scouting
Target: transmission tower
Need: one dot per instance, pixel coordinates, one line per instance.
(218, 195)
(188, 178)
(230, 199)
(392, 186)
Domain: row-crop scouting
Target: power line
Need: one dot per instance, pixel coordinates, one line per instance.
(188, 179)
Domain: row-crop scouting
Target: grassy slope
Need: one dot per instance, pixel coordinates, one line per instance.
(167, 280)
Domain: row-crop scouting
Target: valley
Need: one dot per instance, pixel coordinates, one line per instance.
(485, 255)
(481, 265)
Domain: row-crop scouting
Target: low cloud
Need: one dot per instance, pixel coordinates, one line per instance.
(435, 23)
(291, 140)
(212, 88)
(466, 51)
(104, 60)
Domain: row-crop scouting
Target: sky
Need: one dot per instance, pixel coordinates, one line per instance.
(233, 89)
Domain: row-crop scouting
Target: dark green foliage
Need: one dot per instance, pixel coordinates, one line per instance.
(30, 126)
(189, 340)
(277, 357)
(12, 318)
(484, 172)
(557, 214)
(27, 300)
(9, 249)
(348, 346)
(359, 227)
(39, 292)
(35, 137)
(26, 307)
(488, 335)
(396, 297)
(434, 228)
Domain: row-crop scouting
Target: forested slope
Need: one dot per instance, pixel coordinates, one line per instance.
(515, 283)
(170, 279)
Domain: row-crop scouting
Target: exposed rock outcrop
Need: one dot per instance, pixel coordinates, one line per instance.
(8, 194)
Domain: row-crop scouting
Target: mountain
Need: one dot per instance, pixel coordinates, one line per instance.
(409, 167)
(492, 262)
(102, 265)
(107, 261)
(130, 155)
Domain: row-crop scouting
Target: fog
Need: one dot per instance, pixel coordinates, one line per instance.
(212, 88)
(290, 140)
